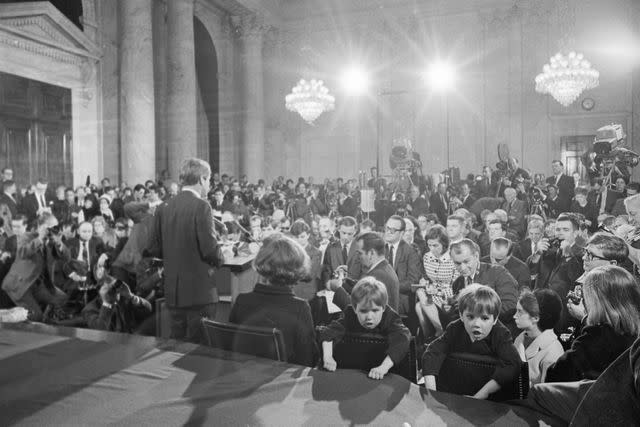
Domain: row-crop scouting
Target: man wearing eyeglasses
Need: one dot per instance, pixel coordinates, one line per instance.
(403, 258)
(602, 249)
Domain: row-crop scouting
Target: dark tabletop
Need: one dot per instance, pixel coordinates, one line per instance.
(68, 376)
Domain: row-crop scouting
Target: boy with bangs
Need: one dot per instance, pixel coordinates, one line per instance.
(368, 313)
(478, 331)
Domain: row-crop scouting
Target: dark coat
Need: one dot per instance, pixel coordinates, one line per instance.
(30, 206)
(96, 248)
(307, 289)
(518, 269)
(566, 191)
(407, 265)
(516, 211)
(12, 204)
(382, 272)
(438, 208)
(33, 257)
(278, 307)
(348, 207)
(184, 237)
(390, 326)
(123, 316)
(590, 354)
(614, 399)
(455, 339)
(419, 206)
(333, 258)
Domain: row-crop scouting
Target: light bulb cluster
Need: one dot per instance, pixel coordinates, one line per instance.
(310, 99)
(566, 77)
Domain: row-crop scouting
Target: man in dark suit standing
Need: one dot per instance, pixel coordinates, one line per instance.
(370, 249)
(347, 205)
(8, 197)
(565, 184)
(36, 203)
(184, 237)
(404, 260)
(343, 251)
(88, 250)
(465, 196)
(516, 211)
(439, 202)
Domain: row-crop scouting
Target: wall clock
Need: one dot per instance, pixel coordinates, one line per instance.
(588, 104)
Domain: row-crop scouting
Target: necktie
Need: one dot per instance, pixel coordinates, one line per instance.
(345, 254)
(391, 255)
(558, 179)
(85, 252)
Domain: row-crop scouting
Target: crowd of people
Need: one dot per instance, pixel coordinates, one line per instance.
(466, 266)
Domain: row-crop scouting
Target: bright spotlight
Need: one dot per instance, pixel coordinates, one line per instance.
(440, 76)
(355, 81)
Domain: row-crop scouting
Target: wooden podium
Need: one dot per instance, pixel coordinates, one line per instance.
(235, 277)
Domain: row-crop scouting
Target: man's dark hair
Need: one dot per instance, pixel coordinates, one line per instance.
(567, 216)
(42, 180)
(497, 221)
(613, 247)
(368, 223)
(371, 241)
(20, 217)
(299, 227)
(139, 187)
(558, 161)
(348, 221)
(403, 225)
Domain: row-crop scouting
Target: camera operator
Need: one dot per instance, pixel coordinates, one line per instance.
(558, 262)
(32, 279)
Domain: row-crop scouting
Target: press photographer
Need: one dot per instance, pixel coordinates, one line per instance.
(31, 281)
(557, 263)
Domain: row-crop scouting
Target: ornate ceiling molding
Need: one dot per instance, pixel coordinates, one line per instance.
(39, 28)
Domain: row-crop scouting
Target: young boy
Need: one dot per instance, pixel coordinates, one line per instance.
(369, 313)
(477, 331)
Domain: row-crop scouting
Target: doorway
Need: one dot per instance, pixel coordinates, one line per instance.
(35, 131)
(573, 148)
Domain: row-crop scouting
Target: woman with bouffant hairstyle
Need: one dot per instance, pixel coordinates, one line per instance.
(281, 263)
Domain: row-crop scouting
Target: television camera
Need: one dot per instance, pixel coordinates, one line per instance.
(609, 158)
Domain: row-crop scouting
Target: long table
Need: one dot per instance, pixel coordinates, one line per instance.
(67, 376)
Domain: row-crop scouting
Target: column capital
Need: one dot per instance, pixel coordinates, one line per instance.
(252, 27)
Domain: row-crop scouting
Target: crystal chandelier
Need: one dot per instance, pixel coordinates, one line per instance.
(565, 77)
(310, 99)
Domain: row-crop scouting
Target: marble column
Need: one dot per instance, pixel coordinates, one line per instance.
(137, 105)
(252, 151)
(181, 85)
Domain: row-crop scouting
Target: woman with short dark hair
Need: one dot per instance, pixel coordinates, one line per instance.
(281, 263)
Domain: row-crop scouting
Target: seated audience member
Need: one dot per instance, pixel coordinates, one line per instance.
(612, 301)
(535, 231)
(501, 253)
(368, 313)
(585, 207)
(404, 260)
(440, 272)
(466, 258)
(477, 331)
(367, 226)
(455, 228)
(614, 399)
(537, 313)
(307, 288)
(281, 263)
(370, 248)
(116, 309)
(497, 228)
(425, 222)
(85, 251)
(602, 249)
(33, 276)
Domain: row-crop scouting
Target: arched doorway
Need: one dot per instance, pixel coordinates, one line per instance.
(207, 75)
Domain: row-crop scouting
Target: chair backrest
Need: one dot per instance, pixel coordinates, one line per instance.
(366, 351)
(255, 340)
(466, 373)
